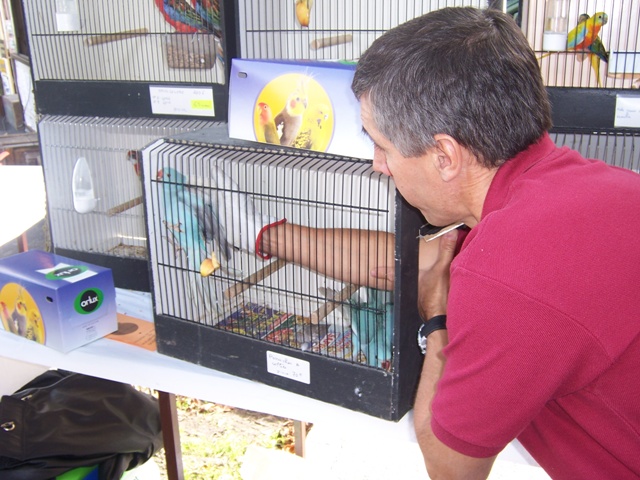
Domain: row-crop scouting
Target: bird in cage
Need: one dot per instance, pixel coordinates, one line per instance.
(289, 120)
(191, 217)
(369, 315)
(303, 11)
(586, 32)
(192, 16)
(597, 51)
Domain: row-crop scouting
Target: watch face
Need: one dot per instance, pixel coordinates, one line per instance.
(422, 340)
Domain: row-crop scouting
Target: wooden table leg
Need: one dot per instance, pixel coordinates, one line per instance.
(171, 435)
(299, 437)
(23, 245)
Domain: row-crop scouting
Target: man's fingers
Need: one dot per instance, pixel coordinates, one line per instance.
(447, 248)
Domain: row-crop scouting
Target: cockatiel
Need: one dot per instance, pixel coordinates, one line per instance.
(267, 125)
(289, 120)
(314, 133)
(596, 50)
(587, 30)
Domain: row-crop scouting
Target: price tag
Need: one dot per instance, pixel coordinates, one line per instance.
(288, 367)
(194, 101)
(627, 111)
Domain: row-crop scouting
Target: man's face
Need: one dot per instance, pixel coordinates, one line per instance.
(416, 178)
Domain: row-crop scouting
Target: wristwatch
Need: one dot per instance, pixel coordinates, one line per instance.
(439, 322)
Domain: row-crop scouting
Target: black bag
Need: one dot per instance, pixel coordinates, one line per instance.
(62, 420)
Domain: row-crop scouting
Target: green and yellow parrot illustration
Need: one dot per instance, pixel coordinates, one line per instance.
(314, 133)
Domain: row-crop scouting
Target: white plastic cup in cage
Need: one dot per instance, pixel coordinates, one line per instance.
(67, 16)
(84, 199)
(556, 23)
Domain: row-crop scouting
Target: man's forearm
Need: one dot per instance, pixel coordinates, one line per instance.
(344, 254)
(440, 460)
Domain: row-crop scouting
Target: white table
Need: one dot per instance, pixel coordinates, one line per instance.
(22, 200)
(346, 438)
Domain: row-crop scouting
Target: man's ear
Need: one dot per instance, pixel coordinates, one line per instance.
(449, 159)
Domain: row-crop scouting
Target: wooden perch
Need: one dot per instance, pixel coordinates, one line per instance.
(115, 37)
(123, 207)
(251, 280)
(330, 41)
(331, 305)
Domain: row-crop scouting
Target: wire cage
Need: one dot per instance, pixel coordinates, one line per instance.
(277, 321)
(94, 190)
(585, 43)
(621, 148)
(109, 58)
(330, 29)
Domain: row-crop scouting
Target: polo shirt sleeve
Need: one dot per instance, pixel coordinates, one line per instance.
(508, 356)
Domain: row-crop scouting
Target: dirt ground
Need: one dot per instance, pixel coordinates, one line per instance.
(214, 437)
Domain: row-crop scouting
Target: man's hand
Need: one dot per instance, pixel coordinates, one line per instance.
(433, 284)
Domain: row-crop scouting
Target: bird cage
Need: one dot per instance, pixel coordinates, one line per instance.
(277, 321)
(94, 190)
(621, 149)
(129, 57)
(329, 29)
(585, 43)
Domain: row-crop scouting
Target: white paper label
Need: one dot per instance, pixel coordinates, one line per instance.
(194, 101)
(288, 367)
(627, 111)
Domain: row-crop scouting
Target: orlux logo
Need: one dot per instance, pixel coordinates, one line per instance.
(66, 272)
(89, 301)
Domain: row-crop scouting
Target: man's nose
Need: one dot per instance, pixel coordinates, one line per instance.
(380, 164)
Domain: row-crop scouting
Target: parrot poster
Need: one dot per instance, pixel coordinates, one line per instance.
(191, 217)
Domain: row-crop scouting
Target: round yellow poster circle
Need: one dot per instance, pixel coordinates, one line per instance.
(20, 313)
(294, 110)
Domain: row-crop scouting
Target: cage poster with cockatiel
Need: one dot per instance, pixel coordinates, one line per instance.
(307, 105)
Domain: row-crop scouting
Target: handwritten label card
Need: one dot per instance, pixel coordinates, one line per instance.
(627, 111)
(193, 101)
(288, 367)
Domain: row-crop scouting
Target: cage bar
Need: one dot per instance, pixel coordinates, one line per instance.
(84, 50)
(278, 322)
(106, 225)
(329, 29)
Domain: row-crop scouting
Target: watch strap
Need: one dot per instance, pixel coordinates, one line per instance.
(439, 322)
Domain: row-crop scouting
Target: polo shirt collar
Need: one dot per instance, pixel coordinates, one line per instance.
(514, 167)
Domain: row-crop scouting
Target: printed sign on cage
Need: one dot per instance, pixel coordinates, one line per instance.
(307, 105)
